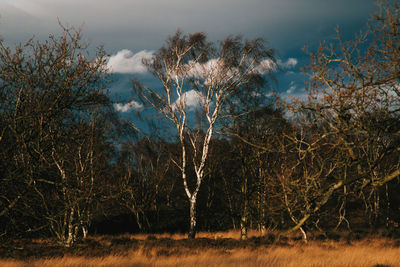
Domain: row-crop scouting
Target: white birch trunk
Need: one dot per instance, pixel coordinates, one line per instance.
(193, 219)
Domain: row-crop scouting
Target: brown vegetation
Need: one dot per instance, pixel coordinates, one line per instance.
(209, 249)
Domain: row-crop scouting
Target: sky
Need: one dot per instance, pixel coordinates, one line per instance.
(133, 29)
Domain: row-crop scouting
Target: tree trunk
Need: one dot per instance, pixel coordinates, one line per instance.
(244, 218)
(192, 230)
(70, 235)
(304, 234)
(243, 227)
(85, 231)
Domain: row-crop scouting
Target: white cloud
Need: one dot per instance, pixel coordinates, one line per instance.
(210, 68)
(128, 106)
(190, 99)
(292, 88)
(127, 62)
(290, 63)
(269, 94)
(207, 70)
(213, 71)
(266, 66)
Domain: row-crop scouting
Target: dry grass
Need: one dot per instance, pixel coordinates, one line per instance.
(174, 250)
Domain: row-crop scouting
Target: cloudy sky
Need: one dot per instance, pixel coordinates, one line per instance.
(144, 24)
(132, 29)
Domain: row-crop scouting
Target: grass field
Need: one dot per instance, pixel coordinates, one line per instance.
(209, 249)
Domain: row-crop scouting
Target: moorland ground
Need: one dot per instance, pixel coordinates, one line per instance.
(209, 249)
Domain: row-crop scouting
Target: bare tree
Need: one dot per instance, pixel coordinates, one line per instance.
(353, 110)
(54, 95)
(189, 67)
(144, 166)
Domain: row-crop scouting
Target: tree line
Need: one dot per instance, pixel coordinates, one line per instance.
(70, 166)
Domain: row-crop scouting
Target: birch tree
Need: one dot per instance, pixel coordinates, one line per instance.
(189, 67)
(53, 95)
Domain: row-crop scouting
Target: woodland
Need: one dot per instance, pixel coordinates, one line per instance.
(245, 159)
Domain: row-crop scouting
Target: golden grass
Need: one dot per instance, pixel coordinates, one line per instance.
(368, 252)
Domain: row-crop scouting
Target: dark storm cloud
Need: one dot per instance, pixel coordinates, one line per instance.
(139, 25)
(129, 28)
